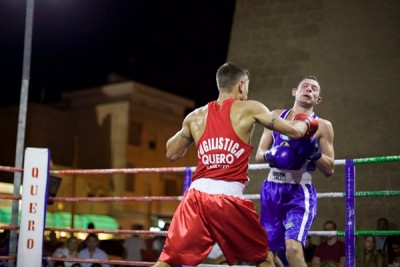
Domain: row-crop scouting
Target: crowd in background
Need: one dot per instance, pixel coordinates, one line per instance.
(371, 250)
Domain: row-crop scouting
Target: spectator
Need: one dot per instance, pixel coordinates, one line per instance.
(368, 255)
(330, 253)
(4, 246)
(134, 245)
(4, 243)
(51, 244)
(59, 264)
(159, 241)
(309, 249)
(381, 240)
(69, 250)
(93, 251)
(394, 252)
(76, 265)
(89, 226)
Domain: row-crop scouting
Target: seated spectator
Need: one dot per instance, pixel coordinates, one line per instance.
(51, 243)
(59, 264)
(332, 252)
(369, 257)
(69, 250)
(309, 249)
(92, 251)
(159, 241)
(381, 245)
(394, 252)
(5, 243)
(134, 245)
(76, 265)
(89, 226)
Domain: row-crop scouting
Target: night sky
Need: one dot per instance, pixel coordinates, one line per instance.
(175, 46)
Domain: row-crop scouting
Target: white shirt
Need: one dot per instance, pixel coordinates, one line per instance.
(133, 246)
(63, 252)
(98, 254)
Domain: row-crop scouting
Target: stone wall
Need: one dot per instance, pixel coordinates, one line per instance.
(353, 49)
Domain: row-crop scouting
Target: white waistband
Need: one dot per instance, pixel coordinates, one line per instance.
(212, 186)
(290, 176)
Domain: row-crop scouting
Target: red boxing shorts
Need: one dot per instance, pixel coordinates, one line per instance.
(202, 219)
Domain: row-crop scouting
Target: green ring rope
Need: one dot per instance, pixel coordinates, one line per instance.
(376, 160)
(357, 233)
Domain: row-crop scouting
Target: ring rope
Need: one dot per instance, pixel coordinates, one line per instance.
(164, 233)
(97, 231)
(111, 262)
(97, 199)
(376, 159)
(343, 194)
(10, 169)
(357, 161)
(123, 262)
(8, 227)
(179, 198)
(357, 233)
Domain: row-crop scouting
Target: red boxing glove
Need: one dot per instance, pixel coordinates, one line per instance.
(311, 123)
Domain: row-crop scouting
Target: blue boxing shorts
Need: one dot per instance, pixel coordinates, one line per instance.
(288, 207)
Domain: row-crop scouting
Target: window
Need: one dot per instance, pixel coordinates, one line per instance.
(135, 133)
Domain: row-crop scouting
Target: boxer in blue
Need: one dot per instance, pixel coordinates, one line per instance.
(288, 198)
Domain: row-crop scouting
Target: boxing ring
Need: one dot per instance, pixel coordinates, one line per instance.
(350, 194)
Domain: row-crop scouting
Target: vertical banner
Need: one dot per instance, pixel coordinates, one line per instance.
(33, 210)
(350, 213)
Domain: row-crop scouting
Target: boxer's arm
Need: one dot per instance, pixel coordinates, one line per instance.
(178, 144)
(293, 129)
(264, 145)
(326, 163)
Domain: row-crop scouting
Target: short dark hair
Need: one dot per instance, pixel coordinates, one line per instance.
(309, 77)
(383, 219)
(229, 74)
(331, 222)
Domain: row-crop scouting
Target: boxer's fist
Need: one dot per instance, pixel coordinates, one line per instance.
(313, 151)
(311, 123)
(281, 157)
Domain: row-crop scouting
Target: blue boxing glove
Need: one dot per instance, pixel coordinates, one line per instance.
(281, 157)
(305, 150)
(313, 151)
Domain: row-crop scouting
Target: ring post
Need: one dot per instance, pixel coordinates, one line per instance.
(350, 212)
(187, 180)
(33, 209)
